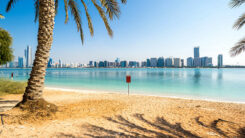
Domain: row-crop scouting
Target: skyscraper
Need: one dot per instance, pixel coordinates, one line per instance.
(28, 56)
(190, 62)
(153, 62)
(177, 62)
(50, 63)
(169, 62)
(21, 63)
(148, 63)
(160, 62)
(196, 52)
(220, 60)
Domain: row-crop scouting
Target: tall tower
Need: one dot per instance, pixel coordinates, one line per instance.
(196, 52)
(28, 56)
(220, 60)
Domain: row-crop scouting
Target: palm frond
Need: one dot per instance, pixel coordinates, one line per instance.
(76, 14)
(238, 48)
(90, 25)
(240, 22)
(103, 16)
(36, 10)
(10, 4)
(236, 3)
(56, 6)
(124, 1)
(66, 10)
(112, 8)
(1, 16)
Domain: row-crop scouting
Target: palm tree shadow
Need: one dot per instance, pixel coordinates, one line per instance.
(162, 128)
(215, 128)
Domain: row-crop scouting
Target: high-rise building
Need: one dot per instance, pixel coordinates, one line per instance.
(209, 62)
(182, 63)
(197, 62)
(148, 63)
(28, 56)
(143, 64)
(106, 64)
(117, 62)
(60, 64)
(169, 62)
(189, 62)
(160, 62)
(101, 64)
(220, 60)
(21, 63)
(95, 64)
(177, 62)
(132, 64)
(90, 63)
(153, 62)
(50, 63)
(124, 64)
(196, 52)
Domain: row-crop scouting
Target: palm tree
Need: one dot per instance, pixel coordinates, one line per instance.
(45, 11)
(239, 46)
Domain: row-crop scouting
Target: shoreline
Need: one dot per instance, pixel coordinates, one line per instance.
(86, 91)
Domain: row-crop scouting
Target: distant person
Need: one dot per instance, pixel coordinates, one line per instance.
(12, 75)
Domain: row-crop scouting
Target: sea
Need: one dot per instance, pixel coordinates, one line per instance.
(225, 85)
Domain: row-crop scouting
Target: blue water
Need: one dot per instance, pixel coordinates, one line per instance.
(212, 84)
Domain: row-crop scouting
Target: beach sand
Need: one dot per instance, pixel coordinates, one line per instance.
(119, 115)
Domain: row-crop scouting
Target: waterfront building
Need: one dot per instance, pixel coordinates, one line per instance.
(28, 56)
(95, 64)
(133, 64)
(60, 64)
(101, 64)
(112, 64)
(106, 64)
(182, 63)
(197, 62)
(50, 63)
(153, 62)
(148, 63)
(143, 64)
(220, 60)
(90, 63)
(189, 62)
(209, 62)
(169, 62)
(124, 64)
(21, 62)
(196, 52)
(117, 62)
(177, 62)
(160, 62)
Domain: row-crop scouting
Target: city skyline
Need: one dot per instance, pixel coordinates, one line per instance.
(163, 37)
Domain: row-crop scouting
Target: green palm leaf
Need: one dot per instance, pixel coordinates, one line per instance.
(76, 14)
(236, 3)
(240, 22)
(238, 48)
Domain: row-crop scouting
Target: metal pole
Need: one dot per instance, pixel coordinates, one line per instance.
(128, 88)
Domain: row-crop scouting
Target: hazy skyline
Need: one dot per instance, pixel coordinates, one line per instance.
(145, 29)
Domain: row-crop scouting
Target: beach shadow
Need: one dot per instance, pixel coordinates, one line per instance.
(8, 101)
(162, 128)
(4, 107)
(214, 126)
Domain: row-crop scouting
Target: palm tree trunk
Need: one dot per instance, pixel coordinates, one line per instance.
(35, 86)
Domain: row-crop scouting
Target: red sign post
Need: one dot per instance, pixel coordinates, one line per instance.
(128, 80)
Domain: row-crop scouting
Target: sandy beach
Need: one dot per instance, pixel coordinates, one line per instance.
(119, 115)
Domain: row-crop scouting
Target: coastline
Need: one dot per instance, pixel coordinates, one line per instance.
(86, 91)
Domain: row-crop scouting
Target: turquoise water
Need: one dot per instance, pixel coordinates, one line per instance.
(211, 84)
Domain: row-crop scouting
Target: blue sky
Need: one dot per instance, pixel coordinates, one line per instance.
(146, 28)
